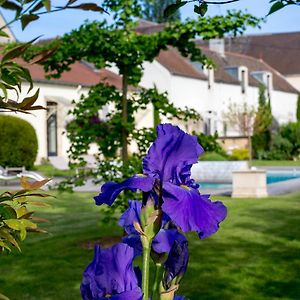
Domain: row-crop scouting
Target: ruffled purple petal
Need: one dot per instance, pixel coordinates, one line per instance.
(192, 211)
(172, 155)
(179, 297)
(110, 190)
(165, 238)
(131, 215)
(110, 273)
(135, 294)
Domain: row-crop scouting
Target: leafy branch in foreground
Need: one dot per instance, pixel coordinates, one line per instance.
(15, 217)
(202, 6)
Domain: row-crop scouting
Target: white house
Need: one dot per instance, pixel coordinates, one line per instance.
(236, 78)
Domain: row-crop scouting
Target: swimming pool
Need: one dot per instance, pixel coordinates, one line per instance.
(272, 177)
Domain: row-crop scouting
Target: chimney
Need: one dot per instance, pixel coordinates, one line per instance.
(217, 45)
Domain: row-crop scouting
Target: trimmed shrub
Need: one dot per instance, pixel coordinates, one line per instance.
(210, 143)
(291, 132)
(212, 156)
(240, 154)
(18, 143)
(281, 149)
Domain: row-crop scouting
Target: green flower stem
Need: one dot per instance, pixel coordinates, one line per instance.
(157, 280)
(146, 261)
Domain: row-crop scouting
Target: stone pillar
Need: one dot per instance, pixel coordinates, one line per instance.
(249, 184)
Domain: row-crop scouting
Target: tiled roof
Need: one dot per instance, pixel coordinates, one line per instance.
(279, 50)
(253, 64)
(80, 74)
(178, 65)
(148, 27)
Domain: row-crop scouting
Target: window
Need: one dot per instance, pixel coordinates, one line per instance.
(243, 81)
(52, 128)
(233, 71)
(264, 77)
(240, 73)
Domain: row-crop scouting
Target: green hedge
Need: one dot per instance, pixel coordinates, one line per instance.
(18, 143)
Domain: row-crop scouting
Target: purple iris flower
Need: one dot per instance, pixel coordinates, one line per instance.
(167, 167)
(162, 242)
(111, 190)
(176, 263)
(111, 275)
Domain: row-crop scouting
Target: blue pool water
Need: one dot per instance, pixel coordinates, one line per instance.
(277, 177)
(271, 178)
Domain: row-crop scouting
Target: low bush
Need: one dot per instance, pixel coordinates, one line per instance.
(240, 154)
(291, 132)
(210, 143)
(18, 143)
(212, 156)
(281, 149)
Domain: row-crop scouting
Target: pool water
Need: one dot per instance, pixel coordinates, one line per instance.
(277, 177)
(271, 178)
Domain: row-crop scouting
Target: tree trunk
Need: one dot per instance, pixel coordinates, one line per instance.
(124, 118)
(250, 150)
(156, 117)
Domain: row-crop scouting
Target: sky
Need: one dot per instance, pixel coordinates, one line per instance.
(56, 24)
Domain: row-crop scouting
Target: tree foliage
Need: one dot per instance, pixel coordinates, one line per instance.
(153, 10)
(261, 138)
(242, 117)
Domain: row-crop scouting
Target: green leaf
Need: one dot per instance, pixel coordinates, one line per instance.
(29, 101)
(275, 7)
(7, 212)
(3, 33)
(47, 4)
(26, 19)
(171, 9)
(13, 224)
(88, 6)
(2, 297)
(15, 52)
(4, 233)
(201, 9)
(4, 90)
(12, 6)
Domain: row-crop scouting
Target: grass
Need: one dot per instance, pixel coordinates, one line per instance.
(255, 255)
(276, 163)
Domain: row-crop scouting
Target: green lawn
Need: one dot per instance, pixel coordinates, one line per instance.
(276, 163)
(255, 255)
(49, 170)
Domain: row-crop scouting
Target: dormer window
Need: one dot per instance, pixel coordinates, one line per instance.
(264, 77)
(240, 73)
(207, 70)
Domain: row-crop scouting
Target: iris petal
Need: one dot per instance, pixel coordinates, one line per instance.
(165, 238)
(110, 273)
(172, 154)
(192, 211)
(111, 190)
(131, 215)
